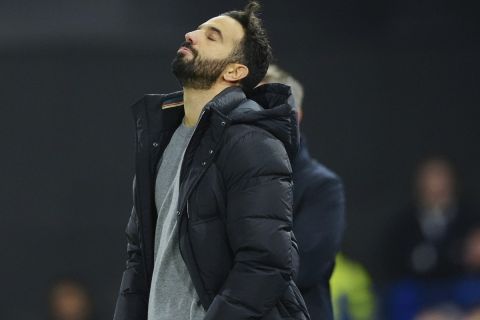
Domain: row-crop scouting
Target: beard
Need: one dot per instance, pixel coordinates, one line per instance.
(198, 73)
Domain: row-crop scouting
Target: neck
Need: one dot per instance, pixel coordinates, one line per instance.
(195, 99)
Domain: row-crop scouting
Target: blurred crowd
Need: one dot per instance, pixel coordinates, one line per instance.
(431, 257)
(432, 253)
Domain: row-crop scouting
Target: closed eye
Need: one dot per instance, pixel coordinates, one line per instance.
(213, 33)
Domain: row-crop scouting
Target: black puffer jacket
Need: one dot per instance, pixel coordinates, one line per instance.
(235, 205)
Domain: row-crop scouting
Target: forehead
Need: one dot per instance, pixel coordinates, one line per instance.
(230, 28)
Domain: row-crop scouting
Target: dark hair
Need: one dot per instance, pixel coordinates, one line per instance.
(254, 50)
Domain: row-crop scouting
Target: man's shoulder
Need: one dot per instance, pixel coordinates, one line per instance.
(322, 171)
(239, 130)
(246, 145)
(316, 173)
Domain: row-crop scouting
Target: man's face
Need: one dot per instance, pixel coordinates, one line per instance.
(436, 183)
(207, 51)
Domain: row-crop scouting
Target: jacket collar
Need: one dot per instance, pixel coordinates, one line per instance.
(224, 102)
(168, 108)
(269, 107)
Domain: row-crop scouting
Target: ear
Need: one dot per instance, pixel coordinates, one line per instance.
(299, 114)
(235, 72)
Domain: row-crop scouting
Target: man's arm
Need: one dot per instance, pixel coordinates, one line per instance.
(257, 175)
(132, 299)
(319, 225)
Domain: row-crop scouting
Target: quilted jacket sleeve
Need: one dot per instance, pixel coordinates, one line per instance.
(257, 175)
(132, 298)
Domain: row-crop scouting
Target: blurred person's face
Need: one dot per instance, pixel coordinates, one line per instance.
(70, 302)
(207, 52)
(472, 252)
(435, 184)
(473, 315)
(438, 315)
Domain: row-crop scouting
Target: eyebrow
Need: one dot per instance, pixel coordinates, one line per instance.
(212, 28)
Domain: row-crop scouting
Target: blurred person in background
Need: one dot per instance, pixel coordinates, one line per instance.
(427, 241)
(473, 315)
(353, 294)
(69, 299)
(210, 233)
(471, 251)
(432, 249)
(319, 214)
(447, 312)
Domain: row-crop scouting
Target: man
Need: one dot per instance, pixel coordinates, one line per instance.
(437, 221)
(319, 215)
(210, 232)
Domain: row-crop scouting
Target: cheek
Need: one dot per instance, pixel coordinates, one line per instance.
(217, 51)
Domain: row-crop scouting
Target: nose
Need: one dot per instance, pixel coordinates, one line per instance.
(189, 37)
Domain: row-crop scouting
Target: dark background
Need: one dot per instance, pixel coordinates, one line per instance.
(387, 82)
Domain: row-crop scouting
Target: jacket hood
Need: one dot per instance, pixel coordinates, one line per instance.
(270, 107)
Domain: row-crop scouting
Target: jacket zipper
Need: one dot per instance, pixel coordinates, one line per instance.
(182, 169)
(187, 209)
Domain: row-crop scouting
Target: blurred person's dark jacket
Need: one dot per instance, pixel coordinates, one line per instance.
(235, 205)
(319, 222)
(411, 252)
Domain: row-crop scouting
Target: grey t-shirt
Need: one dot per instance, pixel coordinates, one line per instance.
(172, 295)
